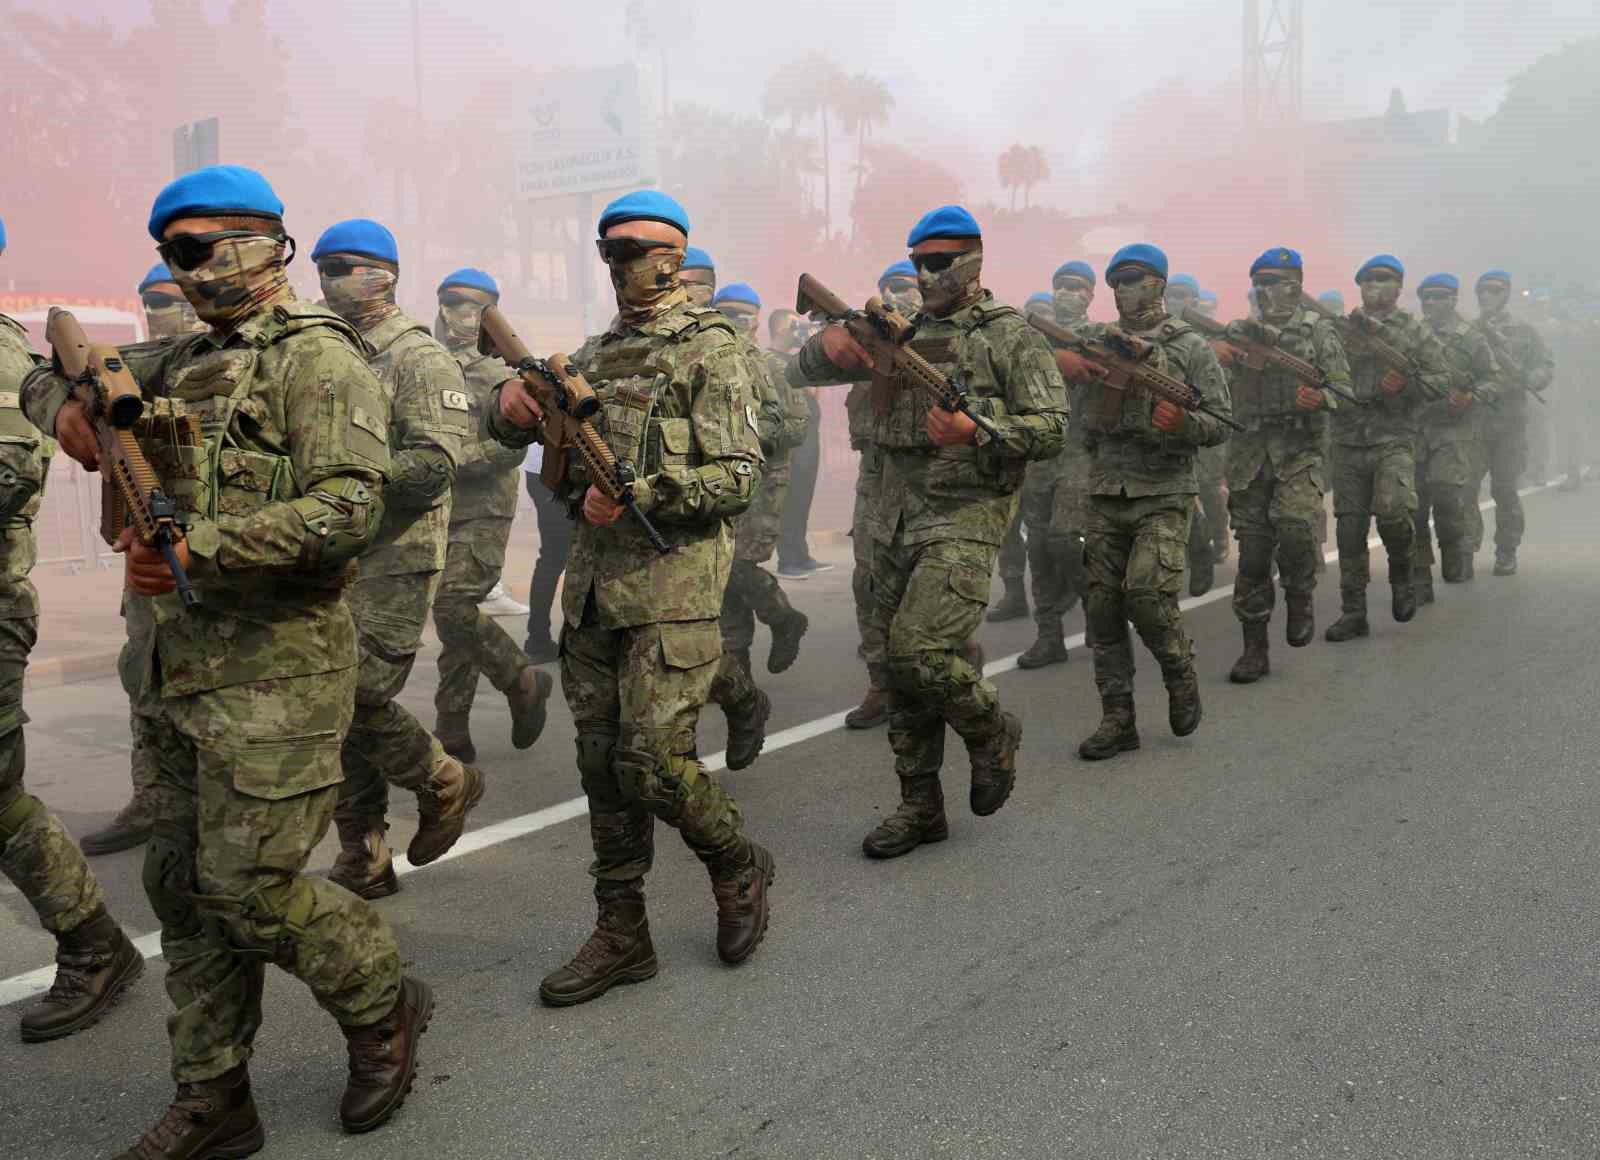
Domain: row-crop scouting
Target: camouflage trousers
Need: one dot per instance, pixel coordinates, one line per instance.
(1277, 514)
(386, 744)
(37, 854)
(1501, 453)
(134, 669)
(1210, 525)
(753, 594)
(756, 532)
(874, 648)
(927, 601)
(1444, 472)
(635, 695)
(1377, 482)
(1052, 511)
(249, 777)
(472, 643)
(1135, 551)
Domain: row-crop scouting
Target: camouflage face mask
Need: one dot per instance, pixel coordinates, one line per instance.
(1071, 303)
(648, 286)
(172, 321)
(1493, 296)
(1380, 295)
(363, 297)
(947, 290)
(1439, 309)
(745, 320)
(700, 293)
(242, 275)
(459, 324)
(903, 297)
(1140, 302)
(1278, 299)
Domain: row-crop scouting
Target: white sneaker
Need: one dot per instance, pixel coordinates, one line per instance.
(500, 603)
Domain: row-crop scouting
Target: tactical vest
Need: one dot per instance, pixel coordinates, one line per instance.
(1268, 397)
(24, 450)
(1128, 413)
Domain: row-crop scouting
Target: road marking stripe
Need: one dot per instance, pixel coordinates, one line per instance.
(31, 983)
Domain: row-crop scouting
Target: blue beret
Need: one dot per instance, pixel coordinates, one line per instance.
(644, 205)
(156, 273)
(1494, 276)
(1074, 269)
(901, 269)
(948, 221)
(1277, 258)
(473, 279)
(1140, 253)
(1440, 282)
(1188, 280)
(738, 292)
(214, 190)
(1208, 295)
(1040, 299)
(361, 236)
(2, 234)
(1331, 298)
(1381, 262)
(694, 258)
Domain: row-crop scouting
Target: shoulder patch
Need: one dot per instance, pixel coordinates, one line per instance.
(368, 422)
(456, 401)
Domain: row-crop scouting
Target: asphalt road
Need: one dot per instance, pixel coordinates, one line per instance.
(1356, 915)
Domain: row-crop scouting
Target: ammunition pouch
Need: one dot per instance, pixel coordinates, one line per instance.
(22, 470)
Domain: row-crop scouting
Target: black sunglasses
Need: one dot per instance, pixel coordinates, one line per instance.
(936, 263)
(155, 300)
(1437, 296)
(337, 267)
(456, 298)
(627, 249)
(1127, 275)
(190, 251)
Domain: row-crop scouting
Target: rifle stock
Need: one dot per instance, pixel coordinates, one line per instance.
(1497, 343)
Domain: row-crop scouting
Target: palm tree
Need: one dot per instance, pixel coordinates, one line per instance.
(664, 26)
(805, 88)
(862, 102)
(1009, 164)
(1035, 168)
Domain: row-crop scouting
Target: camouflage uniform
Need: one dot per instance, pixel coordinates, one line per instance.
(1447, 448)
(483, 504)
(937, 515)
(1279, 466)
(1376, 440)
(386, 745)
(36, 852)
(1142, 485)
(641, 642)
(258, 683)
(1525, 361)
(874, 647)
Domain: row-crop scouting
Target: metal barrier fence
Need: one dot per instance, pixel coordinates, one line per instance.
(68, 524)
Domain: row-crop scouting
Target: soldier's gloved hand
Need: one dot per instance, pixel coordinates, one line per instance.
(1168, 417)
(1077, 369)
(842, 349)
(1227, 354)
(145, 569)
(1307, 398)
(518, 406)
(76, 435)
(950, 428)
(1392, 383)
(600, 509)
(1460, 400)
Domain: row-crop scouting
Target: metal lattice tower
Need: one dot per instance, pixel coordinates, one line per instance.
(1274, 43)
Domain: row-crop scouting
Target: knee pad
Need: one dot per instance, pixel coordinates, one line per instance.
(1351, 534)
(933, 676)
(658, 786)
(16, 808)
(595, 750)
(1255, 558)
(1148, 608)
(169, 883)
(454, 617)
(266, 923)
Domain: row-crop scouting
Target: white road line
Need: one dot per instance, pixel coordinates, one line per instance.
(31, 983)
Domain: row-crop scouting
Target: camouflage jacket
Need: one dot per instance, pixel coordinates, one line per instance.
(792, 415)
(677, 396)
(965, 492)
(427, 422)
(1524, 359)
(1472, 364)
(489, 475)
(1280, 438)
(24, 465)
(1378, 418)
(291, 413)
(1129, 456)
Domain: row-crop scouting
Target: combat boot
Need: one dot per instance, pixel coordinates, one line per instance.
(365, 865)
(1422, 582)
(1451, 569)
(541, 648)
(918, 819)
(443, 803)
(994, 766)
(530, 703)
(786, 636)
(747, 732)
(1402, 598)
(1118, 731)
(873, 710)
(1202, 571)
(1505, 563)
(740, 877)
(1300, 624)
(454, 731)
(383, 1058)
(211, 1119)
(1183, 705)
(619, 950)
(130, 828)
(1469, 565)
(1049, 649)
(1352, 621)
(1012, 605)
(1253, 663)
(95, 963)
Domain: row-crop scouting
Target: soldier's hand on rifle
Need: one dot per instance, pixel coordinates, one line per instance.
(949, 428)
(1168, 417)
(1460, 401)
(76, 435)
(600, 509)
(1227, 354)
(1392, 383)
(1077, 369)
(518, 406)
(842, 349)
(145, 568)
(1308, 398)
